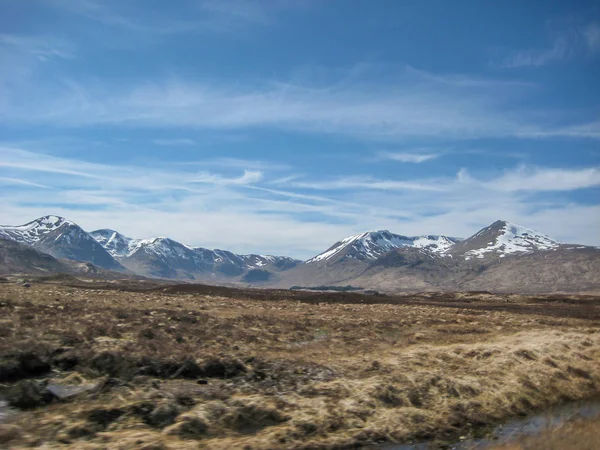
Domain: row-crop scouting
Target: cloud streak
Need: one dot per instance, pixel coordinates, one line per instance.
(580, 40)
(411, 107)
(415, 158)
(546, 179)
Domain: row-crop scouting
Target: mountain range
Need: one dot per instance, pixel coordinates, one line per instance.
(502, 257)
(158, 257)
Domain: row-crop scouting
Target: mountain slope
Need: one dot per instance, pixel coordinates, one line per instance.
(20, 258)
(61, 239)
(501, 239)
(562, 269)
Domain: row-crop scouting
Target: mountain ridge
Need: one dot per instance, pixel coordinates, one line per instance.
(165, 257)
(489, 259)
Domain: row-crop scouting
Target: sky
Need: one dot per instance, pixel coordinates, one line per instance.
(280, 127)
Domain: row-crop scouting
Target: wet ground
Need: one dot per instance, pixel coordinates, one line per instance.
(515, 429)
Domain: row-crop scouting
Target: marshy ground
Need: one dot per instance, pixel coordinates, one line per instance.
(91, 366)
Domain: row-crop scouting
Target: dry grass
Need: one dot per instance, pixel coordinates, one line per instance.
(281, 373)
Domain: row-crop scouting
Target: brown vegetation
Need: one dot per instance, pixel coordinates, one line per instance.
(182, 367)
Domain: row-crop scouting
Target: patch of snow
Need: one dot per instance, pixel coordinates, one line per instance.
(514, 238)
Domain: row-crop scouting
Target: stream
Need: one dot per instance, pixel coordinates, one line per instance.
(515, 429)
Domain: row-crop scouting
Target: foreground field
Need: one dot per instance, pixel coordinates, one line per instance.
(191, 367)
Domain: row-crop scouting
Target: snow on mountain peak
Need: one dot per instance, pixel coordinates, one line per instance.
(114, 242)
(372, 244)
(33, 231)
(505, 238)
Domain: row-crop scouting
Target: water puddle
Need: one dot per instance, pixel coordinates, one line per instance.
(5, 411)
(517, 428)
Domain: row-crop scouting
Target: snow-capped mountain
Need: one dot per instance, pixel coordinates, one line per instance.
(501, 239)
(373, 244)
(34, 231)
(60, 238)
(114, 243)
(164, 257)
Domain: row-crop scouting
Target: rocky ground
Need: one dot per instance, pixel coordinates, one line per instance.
(92, 366)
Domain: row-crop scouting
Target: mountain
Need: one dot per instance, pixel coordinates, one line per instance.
(165, 258)
(501, 239)
(347, 259)
(501, 257)
(62, 239)
(373, 244)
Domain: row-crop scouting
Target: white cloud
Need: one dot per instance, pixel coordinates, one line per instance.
(249, 177)
(579, 40)
(43, 48)
(584, 130)
(354, 182)
(546, 179)
(538, 57)
(404, 157)
(7, 180)
(592, 37)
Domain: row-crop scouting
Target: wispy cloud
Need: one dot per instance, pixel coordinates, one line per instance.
(579, 40)
(354, 182)
(405, 157)
(585, 130)
(199, 16)
(546, 179)
(366, 109)
(592, 36)
(538, 57)
(42, 48)
(249, 177)
(6, 180)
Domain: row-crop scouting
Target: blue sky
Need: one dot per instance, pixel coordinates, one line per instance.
(282, 126)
